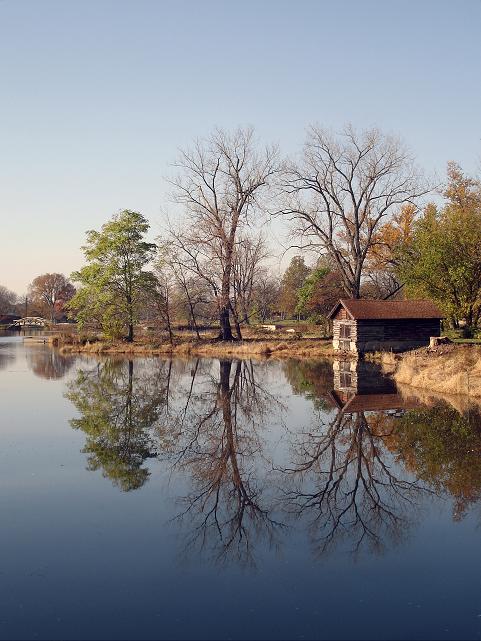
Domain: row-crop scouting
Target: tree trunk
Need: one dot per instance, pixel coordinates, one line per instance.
(468, 329)
(356, 289)
(194, 321)
(224, 320)
(191, 307)
(236, 322)
(225, 328)
(169, 328)
(130, 336)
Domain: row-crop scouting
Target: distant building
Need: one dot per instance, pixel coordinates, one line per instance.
(379, 325)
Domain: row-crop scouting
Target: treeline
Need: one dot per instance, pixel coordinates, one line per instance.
(47, 297)
(356, 205)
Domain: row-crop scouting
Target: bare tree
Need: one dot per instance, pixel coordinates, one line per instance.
(8, 300)
(161, 298)
(192, 290)
(223, 184)
(266, 296)
(246, 269)
(344, 187)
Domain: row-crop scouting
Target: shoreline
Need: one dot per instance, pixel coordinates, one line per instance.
(453, 370)
(448, 369)
(249, 348)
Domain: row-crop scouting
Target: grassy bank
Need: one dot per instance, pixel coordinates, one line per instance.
(448, 369)
(250, 347)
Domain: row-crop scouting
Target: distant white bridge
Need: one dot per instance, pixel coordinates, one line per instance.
(29, 321)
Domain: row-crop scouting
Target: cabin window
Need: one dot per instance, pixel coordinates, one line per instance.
(345, 330)
(345, 374)
(345, 336)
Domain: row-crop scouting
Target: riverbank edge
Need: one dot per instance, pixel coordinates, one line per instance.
(448, 369)
(249, 348)
(451, 370)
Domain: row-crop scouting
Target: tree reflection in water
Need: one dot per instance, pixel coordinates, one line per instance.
(208, 430)
(310, 379)
(6, 359)
(348, 487)
(48, 363)
(442, 446)
(357, 477)
(343, 479)
(221, 448)
(118, 403)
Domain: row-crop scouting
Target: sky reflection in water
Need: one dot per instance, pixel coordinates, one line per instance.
(206, 499)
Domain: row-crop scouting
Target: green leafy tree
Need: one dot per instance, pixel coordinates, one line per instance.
(319, 293)
(119, 407)
(292, 281)
(113, 283)
(443, 259)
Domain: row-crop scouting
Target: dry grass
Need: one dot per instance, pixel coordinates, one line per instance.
(388, 360)
(460, 402)
(291, 347)
(445, 370)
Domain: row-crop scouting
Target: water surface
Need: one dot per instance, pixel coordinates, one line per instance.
(208, 499)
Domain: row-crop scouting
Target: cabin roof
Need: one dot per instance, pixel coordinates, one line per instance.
(359, 309)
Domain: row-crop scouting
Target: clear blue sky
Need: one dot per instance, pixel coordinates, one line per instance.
(97, 96)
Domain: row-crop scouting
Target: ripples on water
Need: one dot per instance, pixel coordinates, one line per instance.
(150, 498)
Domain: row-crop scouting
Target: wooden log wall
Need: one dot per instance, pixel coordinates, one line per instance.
(340, 342)
(372, 335)
(398, 329)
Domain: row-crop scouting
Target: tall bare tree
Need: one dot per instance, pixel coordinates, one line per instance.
(8, 300)
(343, 188)
(250, 252)
(193, 293)
(223, 184)
(266, 295)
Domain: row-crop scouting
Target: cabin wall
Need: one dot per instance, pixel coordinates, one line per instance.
(345, 376)
(341, 314)
(340, 342)
(395, 335)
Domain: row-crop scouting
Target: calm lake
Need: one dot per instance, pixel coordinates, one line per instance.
(198, 499)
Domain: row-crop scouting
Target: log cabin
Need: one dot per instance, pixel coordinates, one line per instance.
(379, 325)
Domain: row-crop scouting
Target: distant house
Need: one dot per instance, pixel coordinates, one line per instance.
(377, 325)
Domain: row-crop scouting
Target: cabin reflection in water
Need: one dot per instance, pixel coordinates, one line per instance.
(363, 387)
